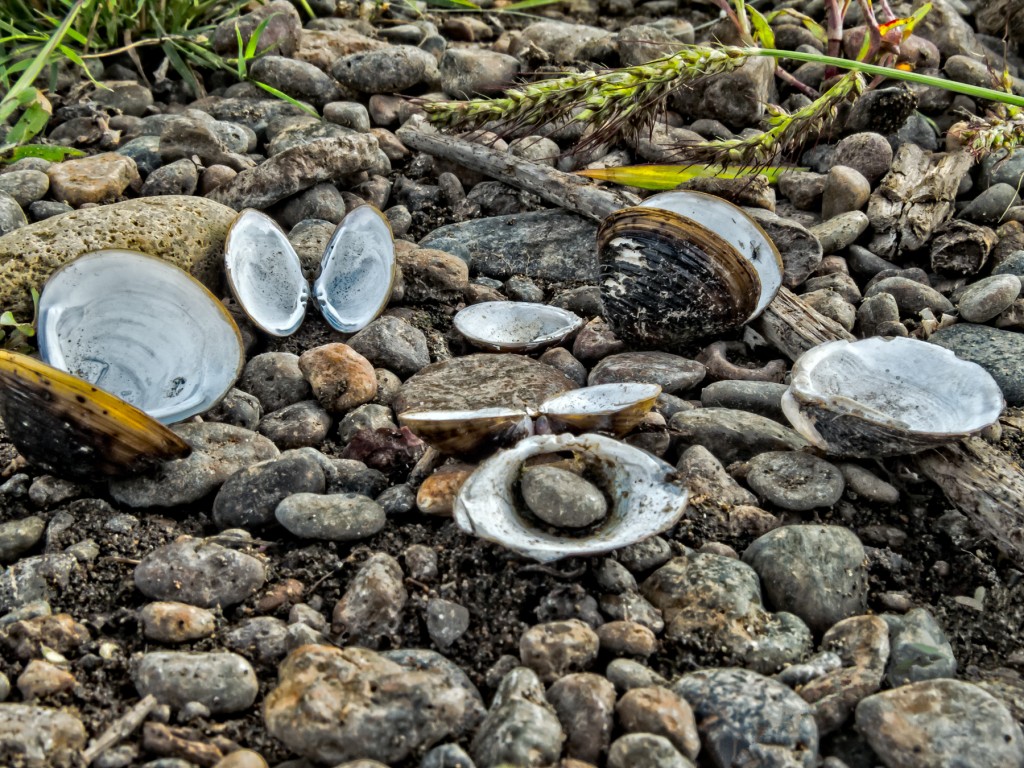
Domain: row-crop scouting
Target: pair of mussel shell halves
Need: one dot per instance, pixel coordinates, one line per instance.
(682, 266)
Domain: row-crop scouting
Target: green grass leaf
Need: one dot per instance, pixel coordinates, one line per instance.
(53, 153)
(285, 97)
(671, 176)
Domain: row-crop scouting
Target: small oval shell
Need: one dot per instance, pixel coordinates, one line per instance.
(65, 425)
(515, 326)
(888, 397)
(143, 330)
(644, 500)
(264, 273)
(357, 271)
(466, 431)
(614, 408)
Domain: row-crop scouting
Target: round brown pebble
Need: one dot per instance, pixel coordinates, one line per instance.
(41, 678)
(436, 496)
(340, 377)
(171, 622)
(558, 648)
(627, 638)
(662, 712)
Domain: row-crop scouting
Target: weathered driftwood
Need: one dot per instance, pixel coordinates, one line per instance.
(985, 483)
(119, 729)
(915, 197)
(788, 323)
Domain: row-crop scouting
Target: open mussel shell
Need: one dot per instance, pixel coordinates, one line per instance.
(264, 274)
(887, 397)
(683, 266)
(357, 271)
(71, 428)
(515, 326)
(141, 329)
(467, 431)
(644, 501)
(614, 408)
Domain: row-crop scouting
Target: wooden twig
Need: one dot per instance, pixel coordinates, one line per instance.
(984, 483)
(119, 729)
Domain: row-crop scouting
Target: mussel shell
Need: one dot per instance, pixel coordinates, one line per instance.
(644, 500)
(667, 281)
(888, 397)
(734, 226)
(264, 273)
(466, 431)
(357, 271)
(515, 326)
(71, 428)
(614, 408)
(142, 329)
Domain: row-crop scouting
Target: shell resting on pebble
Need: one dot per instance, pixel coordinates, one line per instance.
(65, 425)
(644, 500)
(141, 329)
(682, 266)
(888, 397)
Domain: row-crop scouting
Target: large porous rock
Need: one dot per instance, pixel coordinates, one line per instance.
(186, 231)
(39, 737)
(336, 704)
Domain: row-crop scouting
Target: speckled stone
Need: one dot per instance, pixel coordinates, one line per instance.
(371, 607)
(198, 572)
(747, 719)
(1001, 353)
(186, 231)
(794, 480)
(366, 705)
(940, 722)
(95, 179)
(40, 737)
(223, 682)
(988, 297)
(557, 648)
(585, 704)
(335, 517)
(562, 498)
(673, 373)
(170, 622)
(660, 711)
(818, 572)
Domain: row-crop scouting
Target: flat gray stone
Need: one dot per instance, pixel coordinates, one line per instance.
(335, 517)
(795, 481)
(1001, 353)
(223, 682)
(733, 435)
(546, 245)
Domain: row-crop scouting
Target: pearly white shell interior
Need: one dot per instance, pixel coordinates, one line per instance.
(515, 326)
(734, 226)
(919, 386)
(600, 399)
(141, 329)
(643, 502)
(264, 273)
(357, 270)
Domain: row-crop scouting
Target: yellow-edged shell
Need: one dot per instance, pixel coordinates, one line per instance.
(65, 425)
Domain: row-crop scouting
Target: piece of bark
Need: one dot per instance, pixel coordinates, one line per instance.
(987, 485)
(792, 326)
(914, 198)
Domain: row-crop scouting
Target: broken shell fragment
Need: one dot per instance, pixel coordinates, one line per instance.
(71, 428)
(264, 273)
(357, 271)
(467, 431)
(515, 326)
(682, 266)
(614, 408)
(141, 329)
(888, 397)
(644, 500)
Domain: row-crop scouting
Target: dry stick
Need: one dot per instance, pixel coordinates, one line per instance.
(119, 729)
(985, 483)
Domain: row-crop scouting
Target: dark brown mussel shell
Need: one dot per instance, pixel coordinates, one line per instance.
(64, 425)
(667, 281)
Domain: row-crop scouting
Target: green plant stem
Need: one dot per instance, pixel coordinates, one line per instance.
(974, 91)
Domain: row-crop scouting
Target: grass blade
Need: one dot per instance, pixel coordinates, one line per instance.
(671, 176)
